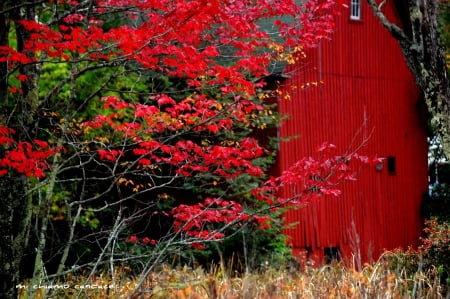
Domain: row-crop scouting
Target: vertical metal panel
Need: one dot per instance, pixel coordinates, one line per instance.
(364, 78)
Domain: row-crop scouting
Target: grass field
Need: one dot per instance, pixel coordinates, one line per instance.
(384, 279)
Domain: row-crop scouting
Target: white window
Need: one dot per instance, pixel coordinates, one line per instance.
(355, 9)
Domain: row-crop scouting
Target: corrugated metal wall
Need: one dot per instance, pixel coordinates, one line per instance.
(366, 88)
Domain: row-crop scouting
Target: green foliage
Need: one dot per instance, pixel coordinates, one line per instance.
(51, 76)
(89, 219)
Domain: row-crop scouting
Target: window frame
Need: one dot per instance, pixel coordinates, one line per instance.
(355, 10)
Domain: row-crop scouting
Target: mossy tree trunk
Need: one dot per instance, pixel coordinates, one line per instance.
(9, 274)
(15, 199)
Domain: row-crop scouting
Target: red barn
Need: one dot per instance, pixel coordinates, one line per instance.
(364, 86)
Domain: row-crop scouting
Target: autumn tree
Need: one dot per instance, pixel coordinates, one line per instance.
(115, 112)
(419, 36)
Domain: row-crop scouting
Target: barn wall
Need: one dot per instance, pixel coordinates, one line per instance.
(366, 88)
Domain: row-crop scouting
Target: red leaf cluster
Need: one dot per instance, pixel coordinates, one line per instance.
(199, 221)
(310, 178)
(198, 114)
(181, 38)
(26, 158)
(144, 241)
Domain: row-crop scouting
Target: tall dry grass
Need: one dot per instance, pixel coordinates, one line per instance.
(380, 280)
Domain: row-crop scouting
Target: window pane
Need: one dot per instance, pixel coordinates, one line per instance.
(391, 165)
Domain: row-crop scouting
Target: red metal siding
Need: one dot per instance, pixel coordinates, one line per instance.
(365, 78)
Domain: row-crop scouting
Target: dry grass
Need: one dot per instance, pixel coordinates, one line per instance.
(330, 281)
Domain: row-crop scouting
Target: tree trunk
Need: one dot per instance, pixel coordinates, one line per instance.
(11, 232)
(425, 54)
(15, 200)
(9, 274)
(4, 30)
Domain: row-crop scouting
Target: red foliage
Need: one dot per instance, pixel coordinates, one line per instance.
(188, 157)
(23, 157)
(311, 178)
(132, 239)
(184, 39)
(172, 38)
(144, 241)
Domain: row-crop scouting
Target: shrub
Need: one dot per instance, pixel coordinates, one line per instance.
(432, 258)
(435, 248)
